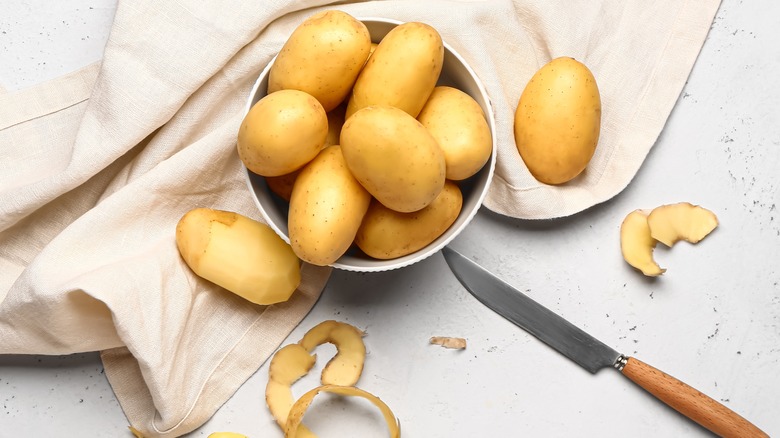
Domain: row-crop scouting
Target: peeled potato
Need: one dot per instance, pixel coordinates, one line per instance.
(240, 254)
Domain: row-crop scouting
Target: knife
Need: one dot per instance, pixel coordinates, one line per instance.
(590, 353)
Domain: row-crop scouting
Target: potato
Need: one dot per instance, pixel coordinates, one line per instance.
(282, 132)
(558, 120)
(402, 71)
(458, 124)
(240, 254)
(326, 208)
(336, 118)
(322, 57)
(394, 157)
(387, 234)
(282, 185)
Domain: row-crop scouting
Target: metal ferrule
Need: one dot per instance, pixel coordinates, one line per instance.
(620, 362)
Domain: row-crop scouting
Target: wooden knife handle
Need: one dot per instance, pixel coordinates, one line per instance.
(700, 408)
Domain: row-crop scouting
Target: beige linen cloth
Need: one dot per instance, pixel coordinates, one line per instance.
(97, 167)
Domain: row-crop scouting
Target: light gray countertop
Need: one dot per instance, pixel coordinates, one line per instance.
(713, 320)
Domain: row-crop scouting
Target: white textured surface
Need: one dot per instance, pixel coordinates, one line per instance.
(713, 320)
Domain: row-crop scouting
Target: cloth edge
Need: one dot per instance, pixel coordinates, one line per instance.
(48, 97)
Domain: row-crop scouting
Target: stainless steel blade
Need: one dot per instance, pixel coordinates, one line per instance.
(550, 328)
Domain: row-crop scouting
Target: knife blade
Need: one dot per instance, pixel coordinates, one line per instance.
(592, 354)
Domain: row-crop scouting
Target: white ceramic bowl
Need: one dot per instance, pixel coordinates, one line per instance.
(456, 73)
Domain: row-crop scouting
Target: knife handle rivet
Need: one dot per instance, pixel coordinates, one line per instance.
(621, 362)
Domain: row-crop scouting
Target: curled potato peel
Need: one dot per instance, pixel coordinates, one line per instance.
(641, 230)
(637, 245)
(347, 365)
(288, 365)
(294, 361)
(291, 429)
(681, 221)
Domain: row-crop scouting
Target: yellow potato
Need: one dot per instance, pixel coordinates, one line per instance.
(282, 185)
(387, 234)
(240, 254)
(558, 120)
(326, 208)
(394, 157)
(402, 71)
(336, 118)
(322, 57)
(282, 132)
(458, 124)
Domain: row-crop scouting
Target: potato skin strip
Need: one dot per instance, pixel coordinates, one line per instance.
(346, 366)
(447, 342)
(295, 417)
(288, 365)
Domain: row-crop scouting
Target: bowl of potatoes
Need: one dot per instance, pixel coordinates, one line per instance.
(368, 143)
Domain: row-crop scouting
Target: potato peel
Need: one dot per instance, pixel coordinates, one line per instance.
(447, 342)
(682, 221)
(347, 365)
(298, 410)
(287, 366)
(637, 245)
(294, 361)
(641, 230)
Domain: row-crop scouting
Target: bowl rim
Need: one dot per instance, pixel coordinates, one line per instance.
(467, 216)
